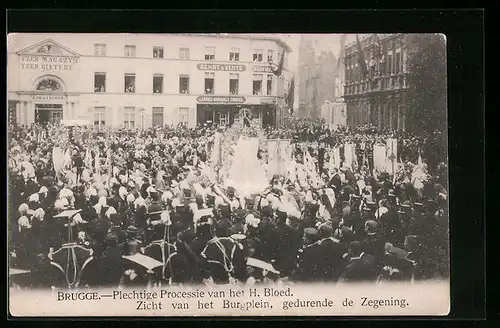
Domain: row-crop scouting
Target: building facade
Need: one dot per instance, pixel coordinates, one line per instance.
(378, 98)
(316, 78)
(142, 80)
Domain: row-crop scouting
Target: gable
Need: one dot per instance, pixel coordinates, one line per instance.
(48, 47)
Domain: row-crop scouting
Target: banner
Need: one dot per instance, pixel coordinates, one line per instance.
(277, 150)
(392, 156)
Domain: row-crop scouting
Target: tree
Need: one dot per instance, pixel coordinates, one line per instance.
(427, 93)
(426, 96)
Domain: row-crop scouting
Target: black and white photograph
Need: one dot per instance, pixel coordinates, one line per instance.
(220, 163)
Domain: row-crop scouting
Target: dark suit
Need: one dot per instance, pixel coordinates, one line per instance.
(331, 262)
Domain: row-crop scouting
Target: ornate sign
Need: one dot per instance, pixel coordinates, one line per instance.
(221, 99)
(221, 67)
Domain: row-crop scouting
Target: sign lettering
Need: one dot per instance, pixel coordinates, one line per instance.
(221, 67)
(267, 100)
(262, 69)
(48, 63)
(221, 99)
(47, 97)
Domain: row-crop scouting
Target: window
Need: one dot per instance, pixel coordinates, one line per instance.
(234, 54)
(397, 66)
(234, 83)
(209, 83)
(157, 116)
(129, 51)
(129, 118)
(99, 49)
(184, 84)
(270, 54)
(49, 85)
(183, 115)
(100, 116)
(158, 83)
(257, 55)
(157, 52)
(269, 84)
(257, 84)
(389, 63)
(129, 83)
(99, 82)
(184, 53)
(209, 53)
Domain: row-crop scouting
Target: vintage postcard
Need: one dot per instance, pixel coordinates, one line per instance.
(227, 175)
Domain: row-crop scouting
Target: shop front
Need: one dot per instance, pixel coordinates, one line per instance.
(223, 110)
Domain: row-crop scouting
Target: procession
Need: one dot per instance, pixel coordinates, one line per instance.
(174, 205)
(212, 174)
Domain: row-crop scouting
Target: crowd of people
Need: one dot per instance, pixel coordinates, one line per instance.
(84, 202)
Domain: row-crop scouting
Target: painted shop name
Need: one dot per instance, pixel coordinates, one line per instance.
(53, 63)
(221, 67)
(221, 99)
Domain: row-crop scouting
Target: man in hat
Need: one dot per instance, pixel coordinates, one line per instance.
(362, 266)
(267, 235)
(332, 255)
(132, 245)
(110, 263)
(286, 245)
(308, 257)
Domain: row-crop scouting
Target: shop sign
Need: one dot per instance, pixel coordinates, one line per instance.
(221, 67)
(221, 99)
(267, 100)
(48, 97)
(46, 63)
(262, 69)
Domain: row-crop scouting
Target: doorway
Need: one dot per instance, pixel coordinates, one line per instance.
(48, 113)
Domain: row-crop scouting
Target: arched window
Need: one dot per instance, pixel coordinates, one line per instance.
(49, 85)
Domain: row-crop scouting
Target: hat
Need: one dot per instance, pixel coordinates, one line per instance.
(325, 230)
(418, 206)
(311, 233)
(267, 211)
(371, 226)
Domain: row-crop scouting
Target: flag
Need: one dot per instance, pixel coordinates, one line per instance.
(291, 95)
(278, 70)
(361, 58)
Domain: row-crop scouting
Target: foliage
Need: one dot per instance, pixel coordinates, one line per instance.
(426, 96)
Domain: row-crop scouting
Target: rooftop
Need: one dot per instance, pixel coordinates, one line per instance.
(244, 37)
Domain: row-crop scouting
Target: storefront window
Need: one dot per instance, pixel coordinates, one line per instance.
(100, 116)
(129, 83)
(234, 54)
(129, 51)
(99, 82)
(209, 83)
(233, 83)
(184, 84)
(257, 55)
(184, 53)
(257, 84)
(184, 115)
(158, 83)
(269, 84)
(209, 53)
(129, 118)
(157, 52)
(157, 116)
